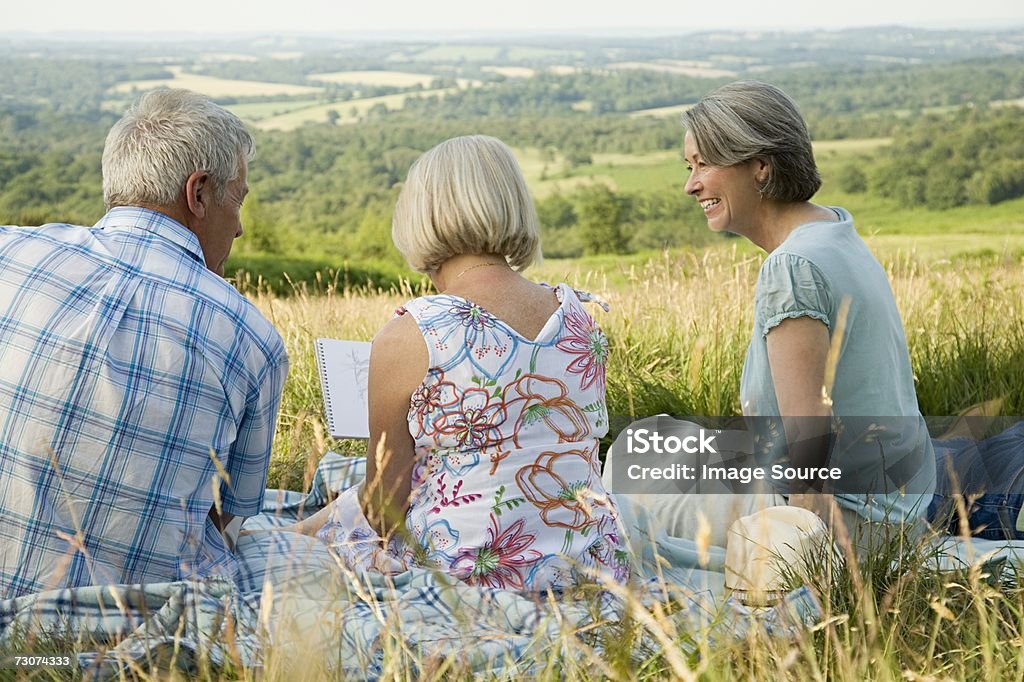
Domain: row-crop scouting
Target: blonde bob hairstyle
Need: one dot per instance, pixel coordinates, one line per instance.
(467, 195)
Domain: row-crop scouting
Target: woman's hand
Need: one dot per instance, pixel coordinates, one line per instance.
(307, 526)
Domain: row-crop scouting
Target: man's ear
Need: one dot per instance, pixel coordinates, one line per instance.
(198, 193)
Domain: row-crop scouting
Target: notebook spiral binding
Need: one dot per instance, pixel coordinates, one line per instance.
(329, 409)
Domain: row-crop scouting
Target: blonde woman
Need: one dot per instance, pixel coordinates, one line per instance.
(486, 401)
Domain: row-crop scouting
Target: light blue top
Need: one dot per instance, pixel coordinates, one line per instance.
(813, 273)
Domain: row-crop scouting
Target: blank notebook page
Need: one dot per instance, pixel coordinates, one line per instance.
(344, 368)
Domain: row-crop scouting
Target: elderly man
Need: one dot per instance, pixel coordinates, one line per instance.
(138, 390)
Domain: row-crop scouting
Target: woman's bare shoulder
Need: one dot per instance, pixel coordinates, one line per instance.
(399, 349)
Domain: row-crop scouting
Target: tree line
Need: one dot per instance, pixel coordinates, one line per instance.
(973, 157)
(334, 187)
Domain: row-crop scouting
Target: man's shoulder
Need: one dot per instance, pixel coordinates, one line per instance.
(176, 281)
(219, 299)
(52, 253)
(48, 232)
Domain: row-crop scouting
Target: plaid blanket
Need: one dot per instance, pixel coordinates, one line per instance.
(294, 603)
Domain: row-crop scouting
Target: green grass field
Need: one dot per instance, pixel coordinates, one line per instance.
(511, 71)
(873, 215)
(215, 87)
(672, 110)
(523, 54)
(683, 68)
(398, 79)
(456, 53)
(351, 111)
(544, 173)
(257, 111)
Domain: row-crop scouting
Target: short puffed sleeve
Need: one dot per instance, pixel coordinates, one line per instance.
(790, 286)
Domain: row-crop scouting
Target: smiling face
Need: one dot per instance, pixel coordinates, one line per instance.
(728, 194)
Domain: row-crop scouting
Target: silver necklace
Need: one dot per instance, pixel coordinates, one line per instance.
(472, 267)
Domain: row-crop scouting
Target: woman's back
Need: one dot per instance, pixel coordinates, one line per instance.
(506, 490)
(487, 401)
(523, 305)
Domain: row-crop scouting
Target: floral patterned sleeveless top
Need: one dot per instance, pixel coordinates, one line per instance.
(506, 488)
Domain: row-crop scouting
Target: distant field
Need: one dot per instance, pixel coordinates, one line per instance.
(657, 170)
(683, 68)
(534, 161)
(866, 144)
(651, 158)
(950, 108)
(215, 87)
(627, 172)
(642, 177)
(227, 57)
(673, 110)
(256, 111)
(518, 54)
(943, 249)
(969, 228)
(454, 53)
(398, 79)
(351, 111)
(510, 71)
(889, 217)
(568, 185)
(544, 173)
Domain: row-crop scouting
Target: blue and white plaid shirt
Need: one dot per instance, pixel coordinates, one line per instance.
(125, 367)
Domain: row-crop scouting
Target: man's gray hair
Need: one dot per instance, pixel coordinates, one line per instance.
(745, 120)
(165, 137)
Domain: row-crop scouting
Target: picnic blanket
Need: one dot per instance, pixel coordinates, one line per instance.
(294, 602)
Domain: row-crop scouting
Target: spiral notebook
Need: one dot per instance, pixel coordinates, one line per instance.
(344, 368)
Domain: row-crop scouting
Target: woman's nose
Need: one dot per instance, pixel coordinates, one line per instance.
(691, 185)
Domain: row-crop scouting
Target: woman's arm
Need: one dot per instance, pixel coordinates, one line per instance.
(398, 364)
(798, 350)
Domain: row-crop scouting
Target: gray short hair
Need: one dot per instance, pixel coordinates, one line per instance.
(162, 139)
(745, 120)
(466, 195)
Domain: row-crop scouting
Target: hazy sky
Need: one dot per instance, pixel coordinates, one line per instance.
(349, 16)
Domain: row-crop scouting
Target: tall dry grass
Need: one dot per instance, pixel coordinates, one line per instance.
(679, 326)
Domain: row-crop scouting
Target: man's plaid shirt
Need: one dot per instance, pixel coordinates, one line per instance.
(126, 367)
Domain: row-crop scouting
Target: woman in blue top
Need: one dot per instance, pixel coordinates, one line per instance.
(828, 343)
